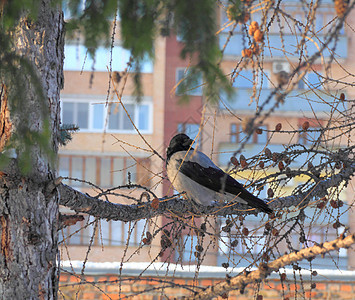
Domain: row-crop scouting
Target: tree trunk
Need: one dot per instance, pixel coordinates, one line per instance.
(29, 203)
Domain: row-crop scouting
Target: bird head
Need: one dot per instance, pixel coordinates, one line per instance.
(180, 142)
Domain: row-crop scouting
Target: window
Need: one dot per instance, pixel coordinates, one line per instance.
(106, 171)
(119, 120)
(245, 80)
(108, 233)
(311, 80)
(196, 83)
(191, 129)
(309, 137)
(91, 116)
(187, 250)
(237, 135)
(77, 58)
(76, 113)
(262, 138)
(314, 80)
(234, 133)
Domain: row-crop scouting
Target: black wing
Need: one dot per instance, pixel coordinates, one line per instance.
(219, 181)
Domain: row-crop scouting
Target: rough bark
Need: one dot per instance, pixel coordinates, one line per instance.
(28, 207)
(5, 124)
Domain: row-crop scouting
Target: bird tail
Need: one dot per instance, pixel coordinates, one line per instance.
(259, 204)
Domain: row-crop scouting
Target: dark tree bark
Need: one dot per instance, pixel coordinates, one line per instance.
(28, 204)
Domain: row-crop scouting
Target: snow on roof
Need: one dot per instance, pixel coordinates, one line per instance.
(161, 269)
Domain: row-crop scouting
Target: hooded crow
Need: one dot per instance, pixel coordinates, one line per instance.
(195, 174)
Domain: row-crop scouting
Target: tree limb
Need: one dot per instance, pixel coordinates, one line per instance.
(264, 270)
(83, 203)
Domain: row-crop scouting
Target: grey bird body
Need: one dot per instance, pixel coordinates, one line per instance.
(192, 172)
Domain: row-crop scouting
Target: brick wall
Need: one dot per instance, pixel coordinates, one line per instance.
(111, 287)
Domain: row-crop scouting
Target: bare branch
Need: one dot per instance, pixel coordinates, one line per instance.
(83, 203)
(264, 270)
(68, 220)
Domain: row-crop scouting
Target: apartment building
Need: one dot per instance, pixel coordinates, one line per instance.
(97, 155)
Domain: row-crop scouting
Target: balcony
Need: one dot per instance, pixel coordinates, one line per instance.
(290, 44)
(299, 101)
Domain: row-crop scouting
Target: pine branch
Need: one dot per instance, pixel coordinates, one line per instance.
(83, 203)
(264, 270)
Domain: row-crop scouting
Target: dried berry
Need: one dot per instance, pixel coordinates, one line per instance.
(247, 53)
(116, 76)
(245, 231)
(320, 205)
(340, 203)
(268, 226)
(234, 161)
(258, 36)
(278, 127)
(251, 30)
(261, 164)
(199, 248)
(268, 153)
(281, 165)
(313, 285)
(333, 203)
(288, 172)
(155, 203)
(275, 232)
(270, 193)
(275, 157)
(255, 48)
(146, 241)
(305, 125)
(165, 242)
(259, 297)
(225, 265)
(254, 24)
(243, 163)
(338, 165)
(340, 7)
(283, 276)
(342, 97)
(226, 229)
(336, 225)
(234, 243)
(224, 296)
(314, 273)
(296, 268)
(258, 131)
